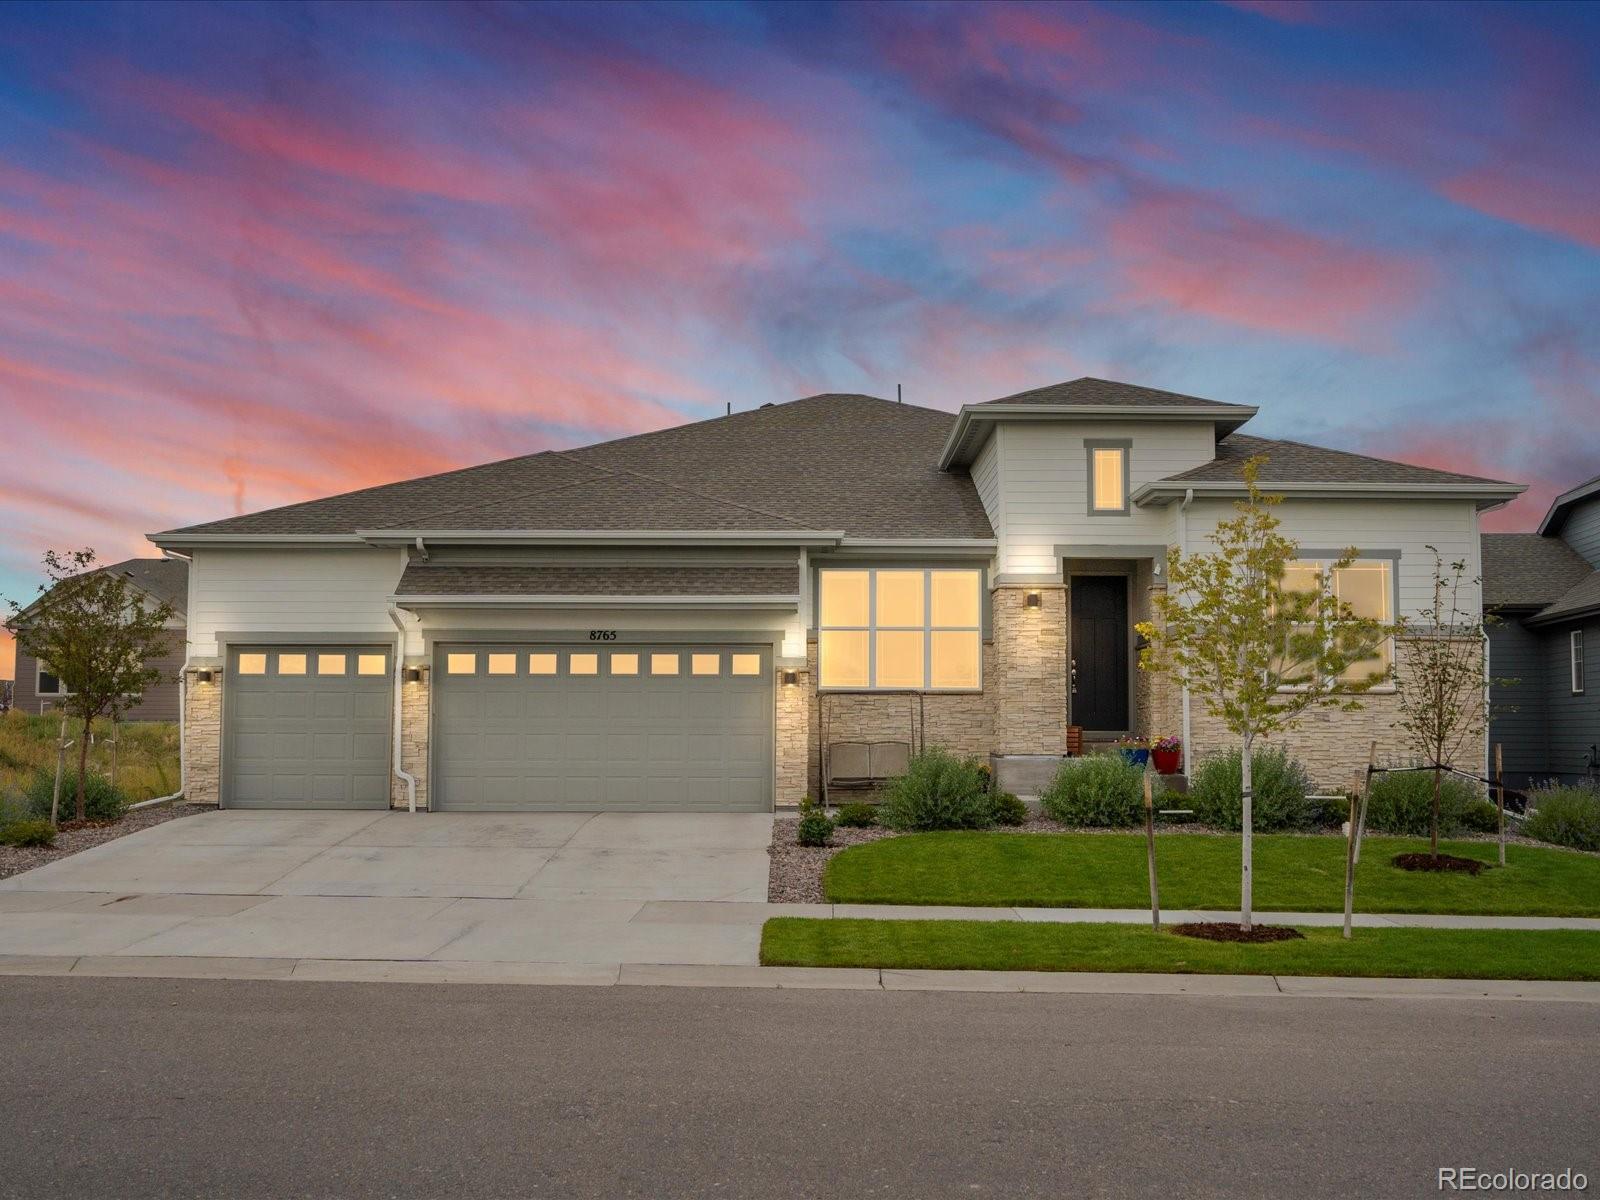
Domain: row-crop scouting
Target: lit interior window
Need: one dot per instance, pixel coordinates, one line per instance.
(624, 664)
(745, 664)
(844, 660)
(955, 658)
(955, 598)
(922, 629)
(663, 664)
(705, 664)
(844, 597)
(899, 599)
(291, 664)
(461, 664)
(1109, 493)
(252, 664)
(502, 664)
(900, 658)
(541, 664)
(330, 664)
(372, 664)
(583, 664)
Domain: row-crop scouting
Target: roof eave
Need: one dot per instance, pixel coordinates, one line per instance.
(784, 602)
(961, 447)
(1557, 514)
(178, 539)
(1484, 494)
(541, 537)
(1557, 618)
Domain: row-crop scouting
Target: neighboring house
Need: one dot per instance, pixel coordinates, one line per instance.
(686, 619)
(37, 690)
(1544, 652)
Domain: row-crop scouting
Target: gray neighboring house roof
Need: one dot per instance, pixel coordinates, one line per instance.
(1563, 504)
(834, 462)
(1107, 393)
(429, 579)
(1524, 570)
(1580, 600)
(1297, 462)
(165, 579)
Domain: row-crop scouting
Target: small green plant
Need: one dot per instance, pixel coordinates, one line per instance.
(1008, 810)
(938, 791)
(28, 833)
(1402, 802)
(814, 828)
(1564, 816)
(1280, 787)
(1100, 790)
(102, 802)
(857, 815)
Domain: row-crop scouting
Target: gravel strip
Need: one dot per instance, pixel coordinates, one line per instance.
(16, 859)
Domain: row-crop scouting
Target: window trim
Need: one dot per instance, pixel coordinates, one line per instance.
(1575, 665)
(1325, 559)
(1090, 445)
(927, 628)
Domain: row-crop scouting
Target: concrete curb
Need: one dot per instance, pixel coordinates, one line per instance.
(322, 970)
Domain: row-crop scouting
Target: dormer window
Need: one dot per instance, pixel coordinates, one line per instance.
(1108, 477)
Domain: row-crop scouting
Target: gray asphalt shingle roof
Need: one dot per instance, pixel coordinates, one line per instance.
(1297, 462)
(1093, 393)
(1525, 570)
(431, 579)
(854, 463)
(1582, 598)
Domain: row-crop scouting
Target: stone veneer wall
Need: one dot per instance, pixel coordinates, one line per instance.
(1333, 745)
(1027, 681)
(202, 735)
(958, 721)
(414, 698)
(796, 703)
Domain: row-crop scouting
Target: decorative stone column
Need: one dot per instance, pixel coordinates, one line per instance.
(794, 735)
(1029, 689)
(414, 698)
(202, 736)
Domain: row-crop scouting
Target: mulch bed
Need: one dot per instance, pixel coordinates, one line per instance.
(1225, 931)
(74, 836)
(1442, 862)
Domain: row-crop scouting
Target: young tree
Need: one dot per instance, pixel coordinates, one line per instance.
(1443, 693)
(98, 634)
(1260, 639)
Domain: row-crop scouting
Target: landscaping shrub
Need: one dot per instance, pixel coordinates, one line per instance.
(1402, 802)
(1332, 811)
(1481, 816)
(814, 829)
(1216, 792)
(857, 815)
(1008, 810)
(1102, 789)
(938, 791)
(102, 802)
(27, 833)
(1564, 816)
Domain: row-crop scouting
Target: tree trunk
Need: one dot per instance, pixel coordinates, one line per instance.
(83, 765)
(1248, 796)
(1433, 825)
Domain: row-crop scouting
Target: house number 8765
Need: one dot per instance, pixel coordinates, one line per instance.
(602, 635)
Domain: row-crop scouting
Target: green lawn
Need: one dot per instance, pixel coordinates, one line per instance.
(1292, 874)
(1029, 946)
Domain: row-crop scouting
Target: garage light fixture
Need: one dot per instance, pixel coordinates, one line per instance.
(790, 678)
(1032, 600)
(413, 675)
(204, 675)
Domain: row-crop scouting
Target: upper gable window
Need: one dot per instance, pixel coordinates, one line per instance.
(1108, 477)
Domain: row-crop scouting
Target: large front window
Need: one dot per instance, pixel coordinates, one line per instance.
(1367, 586)
(899, 628)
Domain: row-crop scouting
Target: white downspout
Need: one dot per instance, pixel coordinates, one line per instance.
(400, 772)
(1183, 548)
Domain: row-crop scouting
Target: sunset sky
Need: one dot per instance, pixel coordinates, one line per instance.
(251, 254)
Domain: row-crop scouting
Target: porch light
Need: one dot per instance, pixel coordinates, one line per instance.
(1032, 599)
(413, 675)
(204, 675)
(790, 678)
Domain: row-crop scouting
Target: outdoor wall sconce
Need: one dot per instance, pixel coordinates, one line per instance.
(1032, 600)
(204, 675)
(790, 678)
(413, 675)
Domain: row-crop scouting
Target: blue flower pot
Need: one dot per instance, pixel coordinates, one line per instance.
(1137, 758)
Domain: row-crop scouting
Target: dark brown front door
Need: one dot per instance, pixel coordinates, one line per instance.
(1099, 651)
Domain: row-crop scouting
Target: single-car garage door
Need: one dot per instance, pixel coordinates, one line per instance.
(658, 728)
(307, 727)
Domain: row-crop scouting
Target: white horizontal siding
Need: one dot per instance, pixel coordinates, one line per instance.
(290, 591)
(986, 478)
(1409, 526)
(1044, 493)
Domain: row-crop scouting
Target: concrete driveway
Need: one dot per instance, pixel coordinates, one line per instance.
(602, 888)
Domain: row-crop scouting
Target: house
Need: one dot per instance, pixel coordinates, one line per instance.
(1544, 588)
(37, 690)
(686, 619)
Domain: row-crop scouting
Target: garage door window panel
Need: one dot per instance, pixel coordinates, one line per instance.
(291, 664)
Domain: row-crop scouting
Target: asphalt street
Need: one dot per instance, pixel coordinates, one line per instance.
(222, 1089)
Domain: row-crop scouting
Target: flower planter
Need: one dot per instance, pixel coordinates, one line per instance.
(1138, 757)
(1167, 761)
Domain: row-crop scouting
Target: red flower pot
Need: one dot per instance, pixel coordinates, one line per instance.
(1167, 761)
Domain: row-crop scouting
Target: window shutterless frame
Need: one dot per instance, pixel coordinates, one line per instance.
(1575, 660)
(41, 673)
(1323, 562)
(1124, 450)
(927, 629)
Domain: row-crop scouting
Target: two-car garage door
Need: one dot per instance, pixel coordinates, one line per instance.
(640, 728)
